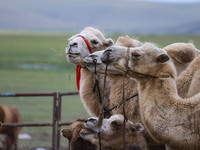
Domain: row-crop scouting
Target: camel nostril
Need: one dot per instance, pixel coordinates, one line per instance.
(74, 44)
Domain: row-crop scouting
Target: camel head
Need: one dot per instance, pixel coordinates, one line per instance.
(77, 48)
(111, 131)
(75, 141)
(100, 67)
(151, 60)
(116, 57)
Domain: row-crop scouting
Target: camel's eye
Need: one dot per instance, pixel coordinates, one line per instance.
(95, 42)
(116, 124)
(135, 55)
(93, 120)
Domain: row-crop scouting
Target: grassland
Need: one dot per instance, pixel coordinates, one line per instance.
(35, 62)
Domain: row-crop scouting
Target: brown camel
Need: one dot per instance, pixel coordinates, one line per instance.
(10, 114)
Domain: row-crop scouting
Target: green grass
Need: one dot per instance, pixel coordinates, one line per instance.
(19, 48)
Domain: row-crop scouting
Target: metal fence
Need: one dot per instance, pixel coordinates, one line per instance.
(56, 121)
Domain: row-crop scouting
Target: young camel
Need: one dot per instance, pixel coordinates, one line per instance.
(168, 118)
(75, 141)
(111, 133)
(76, 51)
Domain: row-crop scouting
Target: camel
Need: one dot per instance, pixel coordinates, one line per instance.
(10, 114)
(168, 118)
(76, 51)
(75, 141)
(130, 86)
(111, 133)
(181, 54)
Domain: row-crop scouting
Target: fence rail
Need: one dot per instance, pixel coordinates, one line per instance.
(56, 119)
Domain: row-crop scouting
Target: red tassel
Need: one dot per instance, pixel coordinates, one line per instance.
(78, 76)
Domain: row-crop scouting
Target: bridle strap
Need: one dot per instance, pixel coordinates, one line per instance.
(127, 58)
(149, 75)
(86, 42)
(78, 67)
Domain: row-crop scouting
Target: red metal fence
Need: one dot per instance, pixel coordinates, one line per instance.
(56, 121)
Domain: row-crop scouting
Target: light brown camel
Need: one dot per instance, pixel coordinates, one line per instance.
(75, 141)
(182, 53)
(130, 86)
(76, 51)
(111, 133)
(10, 114)
(168, 118)
(185, 84)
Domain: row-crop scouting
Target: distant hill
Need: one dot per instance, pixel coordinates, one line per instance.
(109, 15)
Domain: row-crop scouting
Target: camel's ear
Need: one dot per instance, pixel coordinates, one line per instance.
(67, 133)
(137, 127)
(108, 42)
(162, 58)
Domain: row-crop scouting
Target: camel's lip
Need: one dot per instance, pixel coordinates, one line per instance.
(73, 54)
(91, 61)
(85, 132)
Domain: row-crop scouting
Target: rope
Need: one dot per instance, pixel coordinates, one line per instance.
(117, 106)
(124, 113)
(96, 85)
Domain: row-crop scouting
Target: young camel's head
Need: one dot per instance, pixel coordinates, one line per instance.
(147, 59)
(151, 60)
(77, 48)
(111, 131)
(75, 141)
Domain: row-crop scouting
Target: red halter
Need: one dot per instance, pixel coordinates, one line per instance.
(78, 68)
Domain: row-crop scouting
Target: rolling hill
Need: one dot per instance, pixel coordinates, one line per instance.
(109, 15)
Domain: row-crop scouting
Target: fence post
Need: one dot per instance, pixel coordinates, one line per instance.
(54, 129)
(59, 119)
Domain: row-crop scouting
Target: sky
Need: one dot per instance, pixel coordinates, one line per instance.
(175, 1)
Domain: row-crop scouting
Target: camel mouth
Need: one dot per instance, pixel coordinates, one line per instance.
(73, 54)
(85, 132)
(89, 60)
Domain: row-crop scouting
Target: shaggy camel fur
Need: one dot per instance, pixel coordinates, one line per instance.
(10, 114)
(76, 51)
(112, 131)
(130, 86)
(75, 141)
(168, 118)
(181, 53)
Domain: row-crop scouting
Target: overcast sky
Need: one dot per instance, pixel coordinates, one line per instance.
(179, 1)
